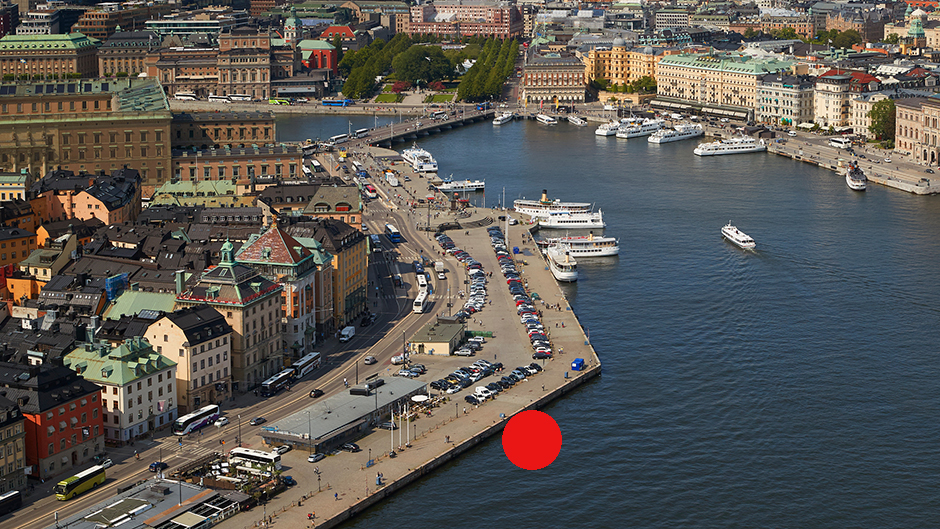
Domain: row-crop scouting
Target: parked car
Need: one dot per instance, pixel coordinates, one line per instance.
(221, 421)
(107, 463)
(157, 466)
(350, 447)
(283, 449)
(257, 420)
(289, 480)
(313, 458)
(388, 426)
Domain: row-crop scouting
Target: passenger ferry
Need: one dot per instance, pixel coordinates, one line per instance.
(421, 160)
(545, 119)
(545, 207)
(854, 177)
(504, 117)
(608, 129)
(738, 237)
(563, 266)
(738, 145)
(581, 122)
(569, 221)
(589, 246)
(680, 132)
(461, 185)
(636, 130)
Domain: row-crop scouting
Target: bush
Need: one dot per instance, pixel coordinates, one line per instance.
(9, 77)
(121, 74)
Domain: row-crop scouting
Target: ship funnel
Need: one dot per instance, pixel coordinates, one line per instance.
(545, 195)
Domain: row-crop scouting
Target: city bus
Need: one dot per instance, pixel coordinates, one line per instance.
(339, 138)
(305, 365)
(376, 243)
(337, 102)
(255, 458)
(315, 165)
(278, 101)
(79, 483)
(219, 99)
(185, 96)
(840, 143)
(392, 233)
(422, 282)
(362, 133)
(10, 502)
(239, 97)
(440, 114)
(370, 192)
(421, 303)
(196, 420)
(276, 383)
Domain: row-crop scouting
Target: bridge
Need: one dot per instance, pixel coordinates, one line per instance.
(425, 126)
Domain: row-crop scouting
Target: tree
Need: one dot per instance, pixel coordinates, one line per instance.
(644, 85)
(892, 38)
(400, 86)
(338, 44)
(425, 63)
(787, 33)
(847, 39)
(437, 86)
(749, 33)
(882, 115)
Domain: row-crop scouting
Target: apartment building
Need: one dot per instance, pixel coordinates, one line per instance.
(49, 56)
(785, 99)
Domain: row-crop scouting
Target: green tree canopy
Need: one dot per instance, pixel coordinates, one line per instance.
(424, 63)
(882, 116)
(847, 39)
(892, 38)
(644, 85)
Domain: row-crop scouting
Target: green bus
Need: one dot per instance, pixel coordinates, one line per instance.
(278, 101)
(79, 483)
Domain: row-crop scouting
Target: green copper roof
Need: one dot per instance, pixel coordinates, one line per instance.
(131, 302)
(320, 255)
(313, 44)
(130, 361)
(73, 41)
(726, 63)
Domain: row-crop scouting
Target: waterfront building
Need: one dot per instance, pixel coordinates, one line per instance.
(480, 18)
(102, 22)
(126, 52)
(916, 128)
(623, 63)
(200, 340)
(554, 78)
(251, 305)
(862, 104)
(90, 125)
(191, 69)
(247, 63)
(137, 383)
(785, 99)
(222, 164)
(834, 91)
(12, 447)
(49, 56)
(204, 130)
(212, 21)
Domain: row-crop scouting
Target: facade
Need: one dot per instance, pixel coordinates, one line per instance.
(437, 338)
(868, 23)
(12, 447)
(671, 18)
(210, 21)
(222, 164)
(103, 22)
(466, 18)
(9, 18)
(785, 99)
(40, 22)
(365, 11)
(917, 130)
(251, 305)
(315, 54)
(54, 56)
(185, 69)
(137, 387)
(622, 65)
(91, 126)
(14, 185)
(260, 7)
(834, 91)
(200, 340)
(204, 130)
(553, 78)
(126, 52)
(15, 245)
(112, 199)
(803, 25)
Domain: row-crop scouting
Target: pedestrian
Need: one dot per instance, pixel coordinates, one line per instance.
(345, 383)
(464, 410)
(336, 496)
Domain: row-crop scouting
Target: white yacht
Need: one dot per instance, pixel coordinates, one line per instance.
(737, 145)
(635, 130)
(545, 207)
(461, 185)
(563, 266)
(737, 237)
(608, 129)
(504, 117)
(545, 119)
(589, 246)
(684, 131)
(579, 121)
(569, 221)
(854, 177)
(421, 160)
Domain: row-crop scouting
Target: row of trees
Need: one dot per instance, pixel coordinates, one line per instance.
(835, 38)
(484, 80)
(643, 85)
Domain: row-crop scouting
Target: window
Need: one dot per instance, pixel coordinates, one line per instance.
(50, 450)
(94, 413)
(182, 352)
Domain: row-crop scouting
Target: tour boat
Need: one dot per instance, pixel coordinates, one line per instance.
(608, 129)
(635, 130)
(461, 185)
(581, 122)
(504, 117)
(545, 207)
(563, 266)
(737, 145)
(568, 221)
(545, 119)
(680, 132)
(855, 178)
(421, 160)
(589, 246)
(737, 237)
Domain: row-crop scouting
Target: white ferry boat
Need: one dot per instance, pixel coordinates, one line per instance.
(589, 246)
(545, 207)
(504, 117)
(421, 160)
(608, 129)
(636, 130)
(461, 185)
(581, 122)
(738, 145)
(854, 177)
(737, 237)
(545, 119)
(563, 266)
(680, 132)
(569, 221)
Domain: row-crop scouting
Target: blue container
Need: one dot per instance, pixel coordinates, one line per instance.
(577, 364)
(515, 249)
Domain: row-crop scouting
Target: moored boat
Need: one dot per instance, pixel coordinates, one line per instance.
(575, 120)
(544, 207)
(684, 131)
(421, 160)
(635, 130)
(461, 185)
(608, 129)
(854, 177)
(563, 266)
(545, 119)
(738, 237)
(568, 221)
(589, 246)
(504, 117)
(737, 145)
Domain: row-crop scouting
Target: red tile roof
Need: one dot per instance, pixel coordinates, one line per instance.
(274, 246)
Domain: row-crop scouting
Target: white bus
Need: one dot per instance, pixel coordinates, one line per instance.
(339, 138)
(421, 302)
(439, 115)
(316, 166)
(361, 133)
(841, 143)
(196, 420)
(219, 99)
(255, 458)
(422, 282)
(240, 97)
(185, 96)
(305, 365)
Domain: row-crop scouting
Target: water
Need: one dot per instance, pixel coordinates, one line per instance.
(793, 386)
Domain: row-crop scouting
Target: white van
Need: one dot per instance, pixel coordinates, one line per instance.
(791, 133)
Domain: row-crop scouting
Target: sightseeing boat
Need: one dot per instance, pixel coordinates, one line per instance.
(504, 117)
(854, 177)
(635, 130)
(586, 220)
(450, 184)
(545, 119)
(563, 266)
(589, 246)
(737, 145)
(737, 237)
(680, 132)
(421, 160)
(579, 121)
(608, 129)
(544, 207)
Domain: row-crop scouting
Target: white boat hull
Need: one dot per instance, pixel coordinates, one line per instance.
(737, 237)
(503, 118)
(546, 120)
(573, 222)
(605, 132)
(702, 152)
(856, 185)
(677, 136)
(564, 267)
(575, 120)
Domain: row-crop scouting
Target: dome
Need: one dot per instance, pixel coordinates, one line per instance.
(919, 13)
(620, 43)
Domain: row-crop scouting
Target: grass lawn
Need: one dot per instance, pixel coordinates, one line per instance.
(387, 88)
(389, 98)
(440, 98)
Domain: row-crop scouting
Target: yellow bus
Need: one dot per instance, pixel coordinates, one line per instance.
(79, 483)
(278, 101)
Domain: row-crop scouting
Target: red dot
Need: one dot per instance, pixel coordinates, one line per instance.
(532, 440)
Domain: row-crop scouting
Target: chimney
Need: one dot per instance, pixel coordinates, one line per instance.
(545, 195)
(179, 281)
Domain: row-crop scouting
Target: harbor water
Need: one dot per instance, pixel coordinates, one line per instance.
(797, 385)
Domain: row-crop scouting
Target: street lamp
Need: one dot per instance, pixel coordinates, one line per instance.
(239, 430)
(309, 434)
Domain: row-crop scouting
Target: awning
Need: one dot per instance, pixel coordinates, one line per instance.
(806, 125)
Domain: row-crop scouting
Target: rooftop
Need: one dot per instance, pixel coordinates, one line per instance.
(118, 366)
(132, 302)
(69, 41)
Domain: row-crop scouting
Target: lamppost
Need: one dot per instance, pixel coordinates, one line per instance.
(239, 430)
(309, 434)
(404, 344)
(318, 479)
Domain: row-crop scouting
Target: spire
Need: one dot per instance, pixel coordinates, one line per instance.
(227, 249)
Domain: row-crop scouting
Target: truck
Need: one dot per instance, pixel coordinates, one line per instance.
(347, 333)
(392, 180)
(439, 268)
